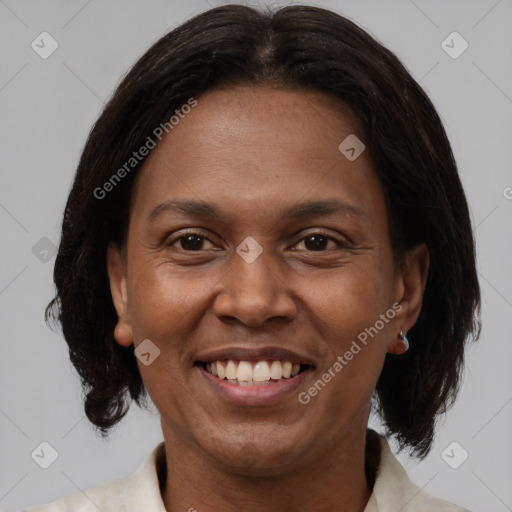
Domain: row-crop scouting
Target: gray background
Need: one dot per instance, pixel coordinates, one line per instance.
(47, 108)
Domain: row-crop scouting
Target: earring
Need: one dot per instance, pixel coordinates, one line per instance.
(405, 342)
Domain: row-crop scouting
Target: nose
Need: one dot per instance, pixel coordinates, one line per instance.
(255, 292)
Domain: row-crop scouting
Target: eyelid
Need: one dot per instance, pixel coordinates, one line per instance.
(185, 233)
(317, 231)
(324, 233)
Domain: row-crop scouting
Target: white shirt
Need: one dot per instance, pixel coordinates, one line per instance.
(140, 492)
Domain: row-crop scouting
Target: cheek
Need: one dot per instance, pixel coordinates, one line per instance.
(160, 310)
(351, 299)
(160, 304)
(349, 308)
(168, 307)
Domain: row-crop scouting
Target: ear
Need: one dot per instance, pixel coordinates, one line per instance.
(410, 286)
(117, 276)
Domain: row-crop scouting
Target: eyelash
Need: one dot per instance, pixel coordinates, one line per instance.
(171, 242)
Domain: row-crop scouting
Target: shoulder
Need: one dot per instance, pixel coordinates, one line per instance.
(120, 495)
(393, 490)
(105, 497)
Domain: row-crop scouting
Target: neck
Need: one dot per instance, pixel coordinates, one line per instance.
(340, 479)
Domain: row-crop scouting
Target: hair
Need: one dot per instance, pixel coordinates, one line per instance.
(301, 48)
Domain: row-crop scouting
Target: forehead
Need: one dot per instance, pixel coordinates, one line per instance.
(254, 147)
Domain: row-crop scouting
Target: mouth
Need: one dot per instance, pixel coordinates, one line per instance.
(249, 376)
(262, 372)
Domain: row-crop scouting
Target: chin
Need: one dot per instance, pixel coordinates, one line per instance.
(252, 451)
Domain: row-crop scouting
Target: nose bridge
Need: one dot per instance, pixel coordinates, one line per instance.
(252, 289)
(254, 271)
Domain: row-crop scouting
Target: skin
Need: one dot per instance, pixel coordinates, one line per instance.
(254, 151)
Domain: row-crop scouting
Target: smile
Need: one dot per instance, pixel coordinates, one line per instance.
(253, 373)
(262, 382)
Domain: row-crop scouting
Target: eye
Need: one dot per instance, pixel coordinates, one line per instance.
(191, 241)
(318, 240)
(194, 241)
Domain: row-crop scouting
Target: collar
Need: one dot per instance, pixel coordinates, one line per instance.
(392, 489)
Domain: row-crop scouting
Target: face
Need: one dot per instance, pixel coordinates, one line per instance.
(264, 282)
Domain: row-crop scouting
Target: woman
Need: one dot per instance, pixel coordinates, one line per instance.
(267, 230)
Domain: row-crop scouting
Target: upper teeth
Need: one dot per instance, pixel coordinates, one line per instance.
(256, 371)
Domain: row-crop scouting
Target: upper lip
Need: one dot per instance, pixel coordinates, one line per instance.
(241, 353)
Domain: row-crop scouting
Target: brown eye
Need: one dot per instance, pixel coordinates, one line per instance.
(318, 242)
(189, 242)
(193, 241)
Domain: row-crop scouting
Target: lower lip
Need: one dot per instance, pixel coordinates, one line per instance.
(255, 395)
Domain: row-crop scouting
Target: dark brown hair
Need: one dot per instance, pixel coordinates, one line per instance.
(294, 47)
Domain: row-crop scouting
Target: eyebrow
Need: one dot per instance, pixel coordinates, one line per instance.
(205, 210)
